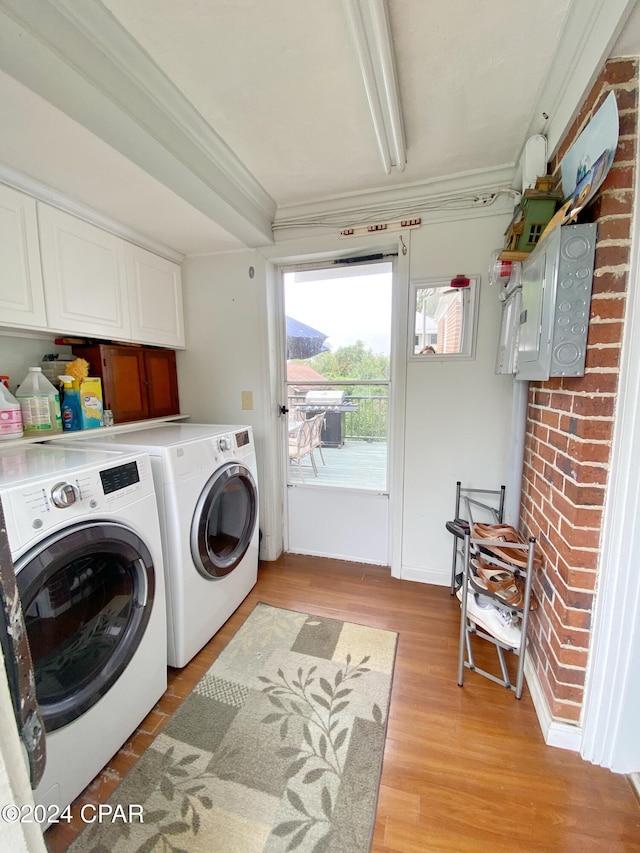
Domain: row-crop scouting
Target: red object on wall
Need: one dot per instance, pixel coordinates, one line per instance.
(460, 281)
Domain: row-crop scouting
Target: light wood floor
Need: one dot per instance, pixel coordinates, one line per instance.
(465, 769)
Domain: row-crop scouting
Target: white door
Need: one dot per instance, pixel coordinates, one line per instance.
(336, 410)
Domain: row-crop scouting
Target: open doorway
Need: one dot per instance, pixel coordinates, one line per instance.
(337, 359)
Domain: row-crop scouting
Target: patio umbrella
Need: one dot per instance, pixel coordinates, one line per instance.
(303, 341)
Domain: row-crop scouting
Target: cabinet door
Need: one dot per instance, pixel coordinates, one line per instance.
(83, 268)
(21, 293)
(122, 371)
(155, 292)
(162, 383)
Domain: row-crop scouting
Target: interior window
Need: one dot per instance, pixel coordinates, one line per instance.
(442, 319)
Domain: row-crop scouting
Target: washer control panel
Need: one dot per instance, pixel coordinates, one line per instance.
(41, 504)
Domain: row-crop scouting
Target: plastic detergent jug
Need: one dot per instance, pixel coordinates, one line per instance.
(10, 415)
(40, 404)
(70, 406)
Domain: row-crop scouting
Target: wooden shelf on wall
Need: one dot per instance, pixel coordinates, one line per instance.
(514, 256)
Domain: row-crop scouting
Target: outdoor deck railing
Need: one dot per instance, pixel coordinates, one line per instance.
(366, 423)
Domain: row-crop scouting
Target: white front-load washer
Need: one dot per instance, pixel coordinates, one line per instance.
(206, 483)
(84, 536)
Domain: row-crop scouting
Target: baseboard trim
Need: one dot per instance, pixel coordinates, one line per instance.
(555, 733)
(434, 576)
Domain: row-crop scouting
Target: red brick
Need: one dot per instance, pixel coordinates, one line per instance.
(604, 308)
(627, 100)
(579, 602)
(569, 637)
(604, 333)
(567, 465)
(609, 281)
(625, 152)
(572, 555)
(567, 692)
(580, 537)
(591, 429)
(612, 203)
(571, 618)
(588, 451)
(627, 124)
(597, 383)
(541, 397)
(580, 516)
(547, 453)
(569, 675)
(620, 70)
(593, 406)
(592, 475)
(558, 440)
(551, 514)
(602, 356)
(563, 712)
(550, 418)
(584, 495)
(541, 433)
(552, 476)
(615, 228)
(620, 177)
(561, 400)
(611, 256)
(567, 655)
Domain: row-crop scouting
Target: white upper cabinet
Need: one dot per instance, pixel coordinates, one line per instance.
(85, 285)
(21, 293)
(155, 298)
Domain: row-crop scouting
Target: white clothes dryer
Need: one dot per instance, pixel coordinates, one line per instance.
(84, 536)
(206, 483)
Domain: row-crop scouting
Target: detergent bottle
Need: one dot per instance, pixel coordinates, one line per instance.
(40, 404)
(70, 406)
(10, 415)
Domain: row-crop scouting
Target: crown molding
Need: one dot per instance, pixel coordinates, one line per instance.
(79, 58)
(452, 197)
(41, 192)
(588, 36)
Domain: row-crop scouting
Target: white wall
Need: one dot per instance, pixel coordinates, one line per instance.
(19, 352)
(458, 413)
(457, 416)
(225, 311)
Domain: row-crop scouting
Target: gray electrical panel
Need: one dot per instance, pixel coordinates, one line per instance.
(555, 300)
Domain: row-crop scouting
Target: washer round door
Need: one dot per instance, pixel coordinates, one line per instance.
(224, 521)
(87, 594)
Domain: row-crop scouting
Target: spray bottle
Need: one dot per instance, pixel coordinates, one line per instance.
(70, 407)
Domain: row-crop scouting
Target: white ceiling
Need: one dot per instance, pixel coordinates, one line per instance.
(284, 109)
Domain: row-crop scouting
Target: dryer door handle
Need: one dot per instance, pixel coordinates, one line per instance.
(143, 582)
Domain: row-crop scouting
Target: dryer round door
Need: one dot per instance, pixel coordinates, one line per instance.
(87, 594)
(224, 521)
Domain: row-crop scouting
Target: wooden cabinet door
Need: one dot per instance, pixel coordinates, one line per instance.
(21, 292)
(122, 371)
(162, 383)
(155, 294)
(83, 269)
(137, 383)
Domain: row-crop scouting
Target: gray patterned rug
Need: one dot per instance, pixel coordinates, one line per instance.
(278, 747)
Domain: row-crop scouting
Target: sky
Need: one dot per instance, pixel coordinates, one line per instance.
(344, 306)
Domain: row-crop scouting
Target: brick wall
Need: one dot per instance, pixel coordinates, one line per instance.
(570, 426)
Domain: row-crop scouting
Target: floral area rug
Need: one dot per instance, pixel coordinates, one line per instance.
(278, 747)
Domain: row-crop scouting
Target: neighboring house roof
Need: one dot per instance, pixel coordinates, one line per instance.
(301, 374)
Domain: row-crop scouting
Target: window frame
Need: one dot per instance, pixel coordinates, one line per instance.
(469, 326)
